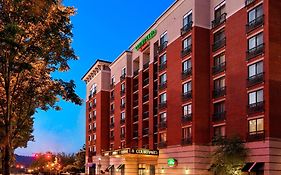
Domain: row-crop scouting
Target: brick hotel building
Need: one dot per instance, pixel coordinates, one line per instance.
(203, 69)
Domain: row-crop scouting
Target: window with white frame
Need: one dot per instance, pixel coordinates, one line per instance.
(186, 43)
(163, 59)
(256, 126)
(186, 133)
(123, 116)
(255, 69)
(163, 98)
(187, 19)
(163, 117)
(255, 13)
(256, 97)
(163, 137)
(163, 38)
(186, 87)
(187, 110)
(163, 78)
(255, 41)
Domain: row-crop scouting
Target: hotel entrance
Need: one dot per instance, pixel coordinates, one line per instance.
(144, 169)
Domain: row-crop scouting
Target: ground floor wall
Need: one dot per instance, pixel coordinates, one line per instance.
(191, 160)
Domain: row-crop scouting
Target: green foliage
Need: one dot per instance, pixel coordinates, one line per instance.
(229, 156)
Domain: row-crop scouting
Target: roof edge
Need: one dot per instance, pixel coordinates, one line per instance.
(98, 60)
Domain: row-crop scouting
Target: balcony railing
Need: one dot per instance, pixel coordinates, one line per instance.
(186, 51)
(219, 116)
(145, 131)
(122, 106)
(219, 20)
(256, 107)
(122, 77)
(255, 79)
(219, 44)
(259, 21)
(136, 72)
(187, 95)
(219, 92)
(145, 66)
(111, 125)
(145, 115)
(162, 125)
(256, 136)
(186, 73)
(162, 85)
(219, 68)
(145, 98)
(186, 141)
(163, 66)
(145, 81)
(186, 118)
(163, 105)
(163, 46)
(122, 136)
(122, 121)
(162, 144)
(185, 29)
(248, 2)
(258, 50)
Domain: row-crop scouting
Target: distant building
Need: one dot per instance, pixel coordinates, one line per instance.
(203, 69)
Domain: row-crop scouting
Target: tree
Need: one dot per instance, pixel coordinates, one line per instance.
(35, 42)
(229, 156)
(80, 159)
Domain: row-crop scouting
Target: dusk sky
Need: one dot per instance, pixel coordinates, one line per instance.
(102, 30)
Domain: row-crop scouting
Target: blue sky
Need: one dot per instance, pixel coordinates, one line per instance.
(102, 30)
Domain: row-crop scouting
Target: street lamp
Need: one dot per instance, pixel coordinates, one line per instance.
(99, 166)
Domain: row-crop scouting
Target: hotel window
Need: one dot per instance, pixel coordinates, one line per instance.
(163, 137)
(219, 131)
(186, 133)
(256, 126)
(94, 125)
(123, 72)
(187, 110)
(254, 14)
(163, 117)
(111, 133)
(123, 115)
(122, 102)
(90, 115)
(90, 149)
(90, 126)
(163, 98)
(219, 11)
(219, 36)
(112, 80)
(123, 87)
(255, 69)
(186, 87)
(94, 149)
(219, 83)
(219, 108)
(93, 89)
(94, 113)
(90, 138)
(163, 59)
(186, 44)
(256, 97)
(111, 146)
(219, 60)
(187, 19)
(90, 104)
(122, 131)
(255, 41)
(163, 78)
(123, 145)
(186, 65)
(94, 137)
(112, 107)
(95, 101)
(163, 38)
(112, 120)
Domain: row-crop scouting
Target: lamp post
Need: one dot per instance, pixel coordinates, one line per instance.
(99, 167)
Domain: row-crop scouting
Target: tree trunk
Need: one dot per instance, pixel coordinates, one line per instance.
(6, 160)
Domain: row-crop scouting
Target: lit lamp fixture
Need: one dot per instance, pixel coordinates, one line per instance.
(186, 171)
(162, 170)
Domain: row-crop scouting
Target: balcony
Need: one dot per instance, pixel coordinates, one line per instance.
(219, 68)
(162, 144)
(145, 81)
(186, 141)
(256, 136)
(186, 73)
(145, 115)
(122, 136)
(145, 66)
(219, 116)
(186, 51)
(219, 20)
(135, 103)
(162, 66)
(256, 107)
(248, 2)
(162, 85)
(136, 72)
(135, 87)
(255, 79)
(163, 105)
(122, 77)
(219, 92)
(187, 95)
(185, 29)
(162, 125)
(122, 106)
(163, 46)
(122, 92)
(258, 50)
(145, 98)
(219, 44)
(145, 131)
(122, 121)
(135, 134)
(111, 125)
(186, 118)
(135, 118)
(259, 21)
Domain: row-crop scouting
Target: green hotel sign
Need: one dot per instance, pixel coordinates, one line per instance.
(146, 39)
(172, 162)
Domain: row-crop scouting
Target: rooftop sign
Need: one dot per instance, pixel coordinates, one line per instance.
(146, 39)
